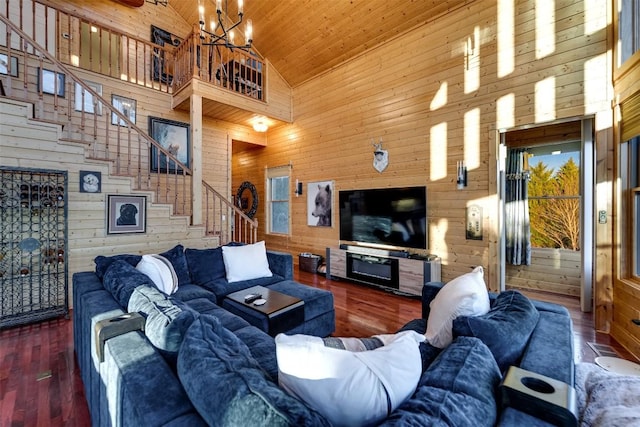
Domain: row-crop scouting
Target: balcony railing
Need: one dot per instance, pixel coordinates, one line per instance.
(234, 70)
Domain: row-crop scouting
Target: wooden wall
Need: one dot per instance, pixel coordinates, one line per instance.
(439, 94)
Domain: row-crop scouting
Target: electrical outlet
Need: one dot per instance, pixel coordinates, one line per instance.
(602, 217)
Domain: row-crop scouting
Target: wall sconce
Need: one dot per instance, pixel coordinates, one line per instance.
(298, 190)
(462, 175)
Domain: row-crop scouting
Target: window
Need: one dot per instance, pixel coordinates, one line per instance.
(630, 227)
(278, 200)
(628, 29)
(629, 178)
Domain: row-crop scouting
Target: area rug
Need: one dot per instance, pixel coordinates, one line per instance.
(605, 398)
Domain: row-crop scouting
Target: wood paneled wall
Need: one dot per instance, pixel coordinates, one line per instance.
(434, 96)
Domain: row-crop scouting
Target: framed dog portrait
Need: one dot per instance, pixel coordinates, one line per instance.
(126, 214)
(175, 138)
(320, 203)
(90, 182)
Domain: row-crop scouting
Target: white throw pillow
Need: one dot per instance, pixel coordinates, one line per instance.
(246, 262)
(160, 271)
(465, 295)
(350, 388)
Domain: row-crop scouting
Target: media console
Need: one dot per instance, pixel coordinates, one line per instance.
(390, 269)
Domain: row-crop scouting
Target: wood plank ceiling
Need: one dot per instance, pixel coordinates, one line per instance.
(305, 38)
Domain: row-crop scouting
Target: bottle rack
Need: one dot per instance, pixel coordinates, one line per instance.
(33, 242)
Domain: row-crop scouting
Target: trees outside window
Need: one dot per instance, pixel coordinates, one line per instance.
(554, 204)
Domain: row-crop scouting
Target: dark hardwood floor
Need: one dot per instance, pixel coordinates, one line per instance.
(40, 382)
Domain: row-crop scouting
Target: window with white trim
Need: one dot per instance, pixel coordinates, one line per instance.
(278, 200)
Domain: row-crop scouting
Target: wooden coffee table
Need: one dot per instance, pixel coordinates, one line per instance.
(278, 314)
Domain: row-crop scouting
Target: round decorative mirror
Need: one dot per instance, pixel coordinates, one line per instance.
(247, 199)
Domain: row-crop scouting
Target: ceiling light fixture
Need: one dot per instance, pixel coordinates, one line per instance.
(260, 126)
(218, 34)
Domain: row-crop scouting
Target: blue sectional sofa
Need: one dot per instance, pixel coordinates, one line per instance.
(208, 366)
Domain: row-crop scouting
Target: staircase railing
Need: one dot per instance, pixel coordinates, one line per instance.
(32, 74)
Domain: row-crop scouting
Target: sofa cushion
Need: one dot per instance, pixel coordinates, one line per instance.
(505, 329)
(176, 257)
(550, 348)
(246, 262)
(205, 265)
(456, 390)
(121, 279)
(160, 271)
(465, 295)
(427, 352)
(228, 387)
(103, 262)
(167, 321)
(332, 381)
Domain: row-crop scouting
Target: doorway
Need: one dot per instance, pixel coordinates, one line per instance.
(557, 163)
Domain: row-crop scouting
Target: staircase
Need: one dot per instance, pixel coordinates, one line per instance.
(50, 93)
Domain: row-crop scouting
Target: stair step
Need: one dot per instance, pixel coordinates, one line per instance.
(49, 121)
(76, 141)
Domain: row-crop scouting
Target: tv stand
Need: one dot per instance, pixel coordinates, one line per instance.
(379, 267)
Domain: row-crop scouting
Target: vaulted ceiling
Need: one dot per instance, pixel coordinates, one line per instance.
(305, 38)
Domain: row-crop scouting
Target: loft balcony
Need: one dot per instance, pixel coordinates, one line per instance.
(234, 85)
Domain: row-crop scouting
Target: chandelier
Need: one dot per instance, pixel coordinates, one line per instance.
(220, 35)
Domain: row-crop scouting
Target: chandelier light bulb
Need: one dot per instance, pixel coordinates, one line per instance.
(219, 6)
(231, 35)
(248, 35)
(212, 25)
(240, 7)
(201, 13)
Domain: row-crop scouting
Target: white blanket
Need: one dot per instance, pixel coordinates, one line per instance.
(606, 399)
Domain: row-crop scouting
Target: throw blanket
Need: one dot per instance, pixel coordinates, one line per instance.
(606, 399)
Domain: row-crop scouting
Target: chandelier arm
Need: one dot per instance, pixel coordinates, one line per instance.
(223, 40)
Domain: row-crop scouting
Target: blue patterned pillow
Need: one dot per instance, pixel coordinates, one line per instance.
(121, 279)
(505, 329)
(103, 262)
(177, 258)
(205, 265)
(228, 387)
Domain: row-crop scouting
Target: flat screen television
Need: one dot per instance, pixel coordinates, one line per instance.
(394, 217)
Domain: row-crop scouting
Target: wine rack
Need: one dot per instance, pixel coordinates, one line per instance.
(33, 238)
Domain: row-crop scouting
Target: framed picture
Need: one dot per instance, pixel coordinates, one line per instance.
(126, 214)
(162, 69)
(84, 100)
(320, 203)
(126, 106)
(90, 182)
(175, 138)
(51, 82)
(4, 65)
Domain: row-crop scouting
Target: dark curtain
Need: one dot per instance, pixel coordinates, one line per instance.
(517, 226)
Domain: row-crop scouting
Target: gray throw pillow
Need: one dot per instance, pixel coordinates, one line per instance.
(167, 320)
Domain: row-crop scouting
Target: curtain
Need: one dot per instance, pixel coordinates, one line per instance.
(517, 226)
